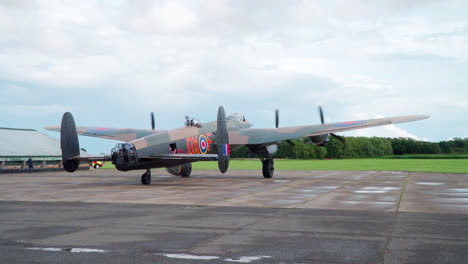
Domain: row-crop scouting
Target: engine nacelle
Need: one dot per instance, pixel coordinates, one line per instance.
(183, 170)
(321, 140)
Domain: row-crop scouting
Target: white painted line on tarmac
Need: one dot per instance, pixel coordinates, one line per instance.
(86, 250)
(451, 200)
(243, 259)
(376, 189)
(45, 249)
(430, 183)
(369, 191)
(246, 259)
(459, 190)
(73, 250)
(187, 256)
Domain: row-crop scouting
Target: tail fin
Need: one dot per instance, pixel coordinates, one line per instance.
(222, 141)
(69, 143)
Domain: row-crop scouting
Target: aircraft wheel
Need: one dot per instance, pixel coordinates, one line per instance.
(268, 168)
(187, 171)
(146, 178)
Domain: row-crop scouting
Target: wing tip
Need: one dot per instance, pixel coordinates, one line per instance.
(406, 119)
(420, 117)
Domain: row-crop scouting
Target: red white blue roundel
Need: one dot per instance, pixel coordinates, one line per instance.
(203, 144)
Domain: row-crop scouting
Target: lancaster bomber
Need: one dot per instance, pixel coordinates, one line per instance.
(177, 149)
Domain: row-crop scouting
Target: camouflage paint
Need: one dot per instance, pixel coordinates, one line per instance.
(150, 143)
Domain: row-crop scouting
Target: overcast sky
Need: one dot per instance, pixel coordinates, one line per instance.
(111, 63)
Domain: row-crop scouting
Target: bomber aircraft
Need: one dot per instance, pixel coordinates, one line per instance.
(177, 149)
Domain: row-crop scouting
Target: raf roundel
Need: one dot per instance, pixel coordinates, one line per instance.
(203, 144)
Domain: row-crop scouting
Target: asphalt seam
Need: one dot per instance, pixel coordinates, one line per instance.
(396, 219)
(402, 193)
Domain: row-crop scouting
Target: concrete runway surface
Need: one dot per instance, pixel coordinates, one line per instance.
(106, 216)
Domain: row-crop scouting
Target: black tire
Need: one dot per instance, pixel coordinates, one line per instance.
(268, 168)
(187, 172)
(146, 178)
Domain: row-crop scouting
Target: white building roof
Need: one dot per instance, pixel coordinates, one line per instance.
(27, 142)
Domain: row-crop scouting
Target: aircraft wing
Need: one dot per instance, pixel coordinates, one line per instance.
(121, 134)
(184, 157)
(93, 158)
(270, 135)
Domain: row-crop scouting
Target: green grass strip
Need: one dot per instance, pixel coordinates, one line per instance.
(425, 157)
(421, 165)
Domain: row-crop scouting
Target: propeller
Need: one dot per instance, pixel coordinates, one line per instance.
(152, 120)
(322, 119)
(277, 125)
(342, 139)
(321, 115)
(276, 118)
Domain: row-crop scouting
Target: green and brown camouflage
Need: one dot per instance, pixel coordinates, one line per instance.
(199, 141)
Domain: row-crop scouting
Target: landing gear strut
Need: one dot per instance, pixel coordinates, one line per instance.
(146, 178)
(268, 168)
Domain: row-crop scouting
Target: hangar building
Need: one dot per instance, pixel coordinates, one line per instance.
(17, 145)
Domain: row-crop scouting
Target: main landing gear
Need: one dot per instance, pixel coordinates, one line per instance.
(146, 178)
(268, 167)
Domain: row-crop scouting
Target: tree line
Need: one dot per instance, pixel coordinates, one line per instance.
(361, 147)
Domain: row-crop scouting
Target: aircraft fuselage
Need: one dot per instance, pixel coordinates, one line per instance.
(187, 140)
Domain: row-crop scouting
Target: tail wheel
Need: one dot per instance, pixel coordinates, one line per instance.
(268, 168)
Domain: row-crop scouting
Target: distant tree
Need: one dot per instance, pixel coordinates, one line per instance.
(360, 147)
(321, 152)
(242, 152)
(445, 147)
(335, 148)
(286, 150)
(399, 146)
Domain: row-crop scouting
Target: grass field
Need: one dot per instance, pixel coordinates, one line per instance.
(424, 156)
(423, 165)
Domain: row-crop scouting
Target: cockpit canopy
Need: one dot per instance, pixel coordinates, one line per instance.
(236, 117)
(192, 122)
(195, 122)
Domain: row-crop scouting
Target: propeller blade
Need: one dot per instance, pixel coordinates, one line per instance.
(321, 115)
(342, 139)
(276, 118)
(152, 120)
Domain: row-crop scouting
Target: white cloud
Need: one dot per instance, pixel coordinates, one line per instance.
(357, 59)
(170, 17)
